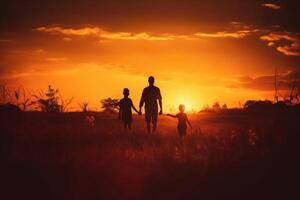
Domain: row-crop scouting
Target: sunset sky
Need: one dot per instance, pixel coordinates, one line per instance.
(199, 51)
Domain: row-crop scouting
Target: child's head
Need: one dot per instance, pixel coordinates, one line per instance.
(126, 92)
(181, 108)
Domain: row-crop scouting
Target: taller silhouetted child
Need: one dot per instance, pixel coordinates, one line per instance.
(125, 113)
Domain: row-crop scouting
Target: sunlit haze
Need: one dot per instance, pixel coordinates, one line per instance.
(198, 52)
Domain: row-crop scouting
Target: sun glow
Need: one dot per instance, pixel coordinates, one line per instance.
(188, 107)
(195, 73)
(186, 96)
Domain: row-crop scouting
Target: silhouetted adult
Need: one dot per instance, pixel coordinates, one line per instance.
(150, 96)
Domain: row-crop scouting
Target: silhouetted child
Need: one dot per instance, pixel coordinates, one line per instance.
(182, 120)
(125, 113)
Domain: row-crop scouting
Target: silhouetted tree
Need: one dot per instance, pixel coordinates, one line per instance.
(297, 93)
(109, 104)
(22, 99)
(258, 105)
(216, 106)
(8, 108)
(292, 97)
(205, 108)
(294, 91)
(224, 106)
(17, 98)
(84, 106)
(64, 103)
(50, 102)
(280, 105)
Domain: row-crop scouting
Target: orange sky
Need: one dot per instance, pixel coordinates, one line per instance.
(195, 62)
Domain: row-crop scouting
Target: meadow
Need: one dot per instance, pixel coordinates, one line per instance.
(228, 154)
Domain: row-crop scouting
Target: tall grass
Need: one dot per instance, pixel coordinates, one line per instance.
(76, 160)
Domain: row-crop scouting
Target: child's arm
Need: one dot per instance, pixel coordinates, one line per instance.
(188, 121)
(120, 110)
(138, 112)
(172, 115)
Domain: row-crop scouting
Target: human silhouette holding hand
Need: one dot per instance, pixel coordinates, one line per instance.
(182, 121)
(150, 96)
(125, 113)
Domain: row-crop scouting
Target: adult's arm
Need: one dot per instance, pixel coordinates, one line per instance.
(142, 101)
(160, 102)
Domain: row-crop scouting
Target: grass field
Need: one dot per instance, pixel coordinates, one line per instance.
(242, 155)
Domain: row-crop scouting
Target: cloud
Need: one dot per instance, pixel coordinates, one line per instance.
(258, 83)
(285, 42)
(236, 34)
(56, 59)
(266, 82)
(70, 31)
(271, 6)
(106, 35)
(102, 34)
(67, 39)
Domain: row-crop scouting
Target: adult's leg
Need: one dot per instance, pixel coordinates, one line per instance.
(148, 127)
(154, 121)
(129, 125)
(125, 125)
(148, 120)
(154, 127)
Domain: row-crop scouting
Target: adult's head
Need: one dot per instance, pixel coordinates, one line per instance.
(151, 80)
(126, 92)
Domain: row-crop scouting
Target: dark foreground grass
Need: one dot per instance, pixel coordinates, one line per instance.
(238, 155)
